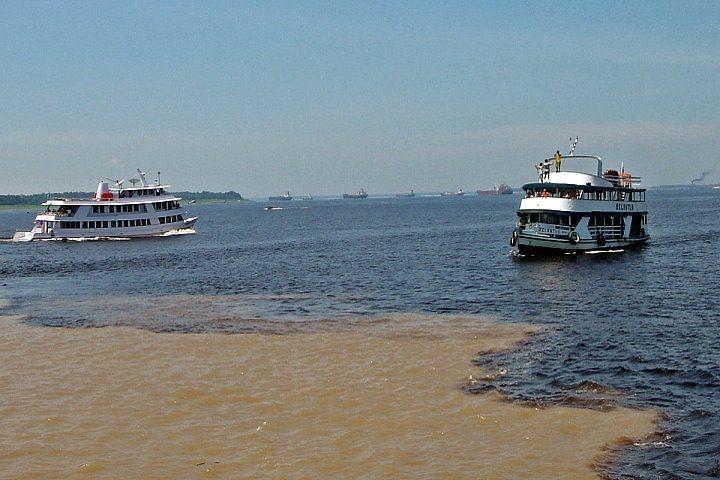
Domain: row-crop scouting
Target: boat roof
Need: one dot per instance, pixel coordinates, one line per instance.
(575, 186)
(114, 201)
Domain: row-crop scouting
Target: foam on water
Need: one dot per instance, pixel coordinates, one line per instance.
(182, 231)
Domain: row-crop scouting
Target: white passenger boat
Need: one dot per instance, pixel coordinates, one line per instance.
(119, 212)
(572, 211)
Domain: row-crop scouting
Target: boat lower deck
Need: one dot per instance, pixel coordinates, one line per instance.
(534, 245)
(105, 233)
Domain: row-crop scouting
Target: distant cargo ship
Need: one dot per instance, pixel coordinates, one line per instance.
(361, 194)
(411, 193)
(275, 198)
(458, 193)
(501, 189)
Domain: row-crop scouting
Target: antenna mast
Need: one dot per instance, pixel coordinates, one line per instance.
(573, 144)
(142, 178)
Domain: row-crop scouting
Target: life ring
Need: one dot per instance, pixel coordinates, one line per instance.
(574, 238)
(600, 239)
(513, 238)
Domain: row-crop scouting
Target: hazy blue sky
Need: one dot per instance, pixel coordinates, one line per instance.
(326, 97)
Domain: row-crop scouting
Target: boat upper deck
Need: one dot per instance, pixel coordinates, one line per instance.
(79, 202)
(598, 180)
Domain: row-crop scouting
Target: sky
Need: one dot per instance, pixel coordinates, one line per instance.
(326, 97)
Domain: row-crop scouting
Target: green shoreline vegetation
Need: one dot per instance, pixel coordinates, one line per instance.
(33, 201)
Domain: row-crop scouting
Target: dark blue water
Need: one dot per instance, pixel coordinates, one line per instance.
(638, 328)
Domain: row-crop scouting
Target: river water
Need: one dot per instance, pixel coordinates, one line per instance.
(345, 281)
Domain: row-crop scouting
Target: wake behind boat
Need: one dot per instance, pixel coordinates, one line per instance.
(119, 212)
(572, 211)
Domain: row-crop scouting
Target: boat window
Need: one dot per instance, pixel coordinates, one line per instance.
(180, 218)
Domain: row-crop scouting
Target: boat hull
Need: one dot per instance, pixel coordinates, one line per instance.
(100, 233)
(534, 245)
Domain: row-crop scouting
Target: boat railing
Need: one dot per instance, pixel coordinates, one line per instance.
(614, 231)
(622, 180)
(580, 193)
(551, 161)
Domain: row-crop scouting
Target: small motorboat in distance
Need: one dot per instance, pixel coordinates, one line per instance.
(409, 194)
(501, 189)
(458, 193)
(573, 211)
(270, 208)
(120, 212)
(281, 198)
(360, 194)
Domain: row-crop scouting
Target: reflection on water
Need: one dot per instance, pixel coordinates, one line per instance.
(365, 398)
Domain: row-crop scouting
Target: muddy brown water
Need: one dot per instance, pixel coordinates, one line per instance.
(381, 400)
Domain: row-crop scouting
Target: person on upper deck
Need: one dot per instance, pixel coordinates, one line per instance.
(558, 161)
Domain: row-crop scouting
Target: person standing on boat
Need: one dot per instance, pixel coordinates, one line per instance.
(558, 161)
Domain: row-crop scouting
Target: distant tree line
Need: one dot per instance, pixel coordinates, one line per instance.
(205, 195)
(38, 198)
